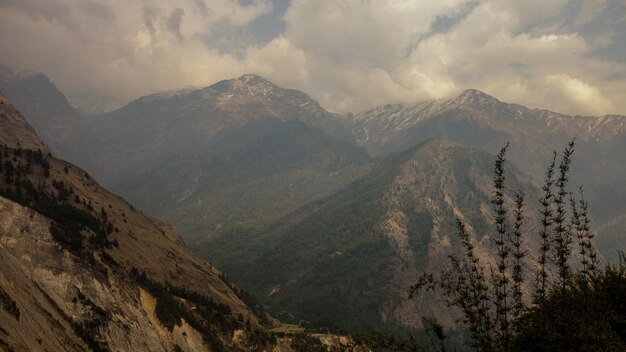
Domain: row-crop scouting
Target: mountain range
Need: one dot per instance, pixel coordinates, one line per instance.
(328, 218)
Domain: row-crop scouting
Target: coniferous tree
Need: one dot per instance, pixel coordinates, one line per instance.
(544, 234)
(9, 171)
(570, 310)
(518, 254)
(501, 240)
(585, 236)
(562, 234)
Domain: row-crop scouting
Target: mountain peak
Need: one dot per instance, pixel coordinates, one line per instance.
(477, 99)
(248, 83)
(9, 74)
(475, 95)
(251, 78)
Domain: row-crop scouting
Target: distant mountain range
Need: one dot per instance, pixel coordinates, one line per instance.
(477, 120)
(327, 217)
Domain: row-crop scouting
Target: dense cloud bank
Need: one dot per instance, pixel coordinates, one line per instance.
(562, 55)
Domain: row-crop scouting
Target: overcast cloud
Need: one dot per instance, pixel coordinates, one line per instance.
(567, 56)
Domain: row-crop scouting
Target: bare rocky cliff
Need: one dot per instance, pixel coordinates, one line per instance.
(55, 296)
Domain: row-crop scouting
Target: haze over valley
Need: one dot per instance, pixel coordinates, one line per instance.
(258, 176)
(303, 193)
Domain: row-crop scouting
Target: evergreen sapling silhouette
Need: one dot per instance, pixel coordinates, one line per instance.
(569, 309)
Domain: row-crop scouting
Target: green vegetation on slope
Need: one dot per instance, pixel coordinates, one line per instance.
(273, 168)
(325, 263)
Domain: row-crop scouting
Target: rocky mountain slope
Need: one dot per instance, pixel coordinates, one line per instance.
(83, 269)
(479, 120)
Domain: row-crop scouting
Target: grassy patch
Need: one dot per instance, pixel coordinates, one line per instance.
(287, 329)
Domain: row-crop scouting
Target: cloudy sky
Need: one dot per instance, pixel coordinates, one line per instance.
(568, 56)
